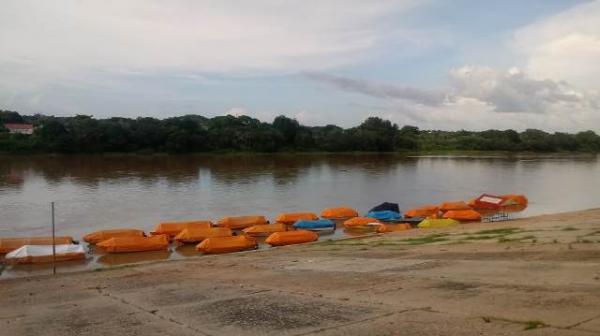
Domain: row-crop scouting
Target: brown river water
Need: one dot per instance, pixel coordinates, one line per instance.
(102, 192)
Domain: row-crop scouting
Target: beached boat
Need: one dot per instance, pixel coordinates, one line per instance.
(422, 211)
(431, 223)
(227, 244)
(359, 222)
(198, 235)
(172, 229)
(292, 217)
(134, 244)
(291, 237)
(315, 225)
(454, 205)
(98, 236)
(33, 254)
(11, 244)
(463, 215)
(265, 229)
(339, 213)
(387, 228)
(241, 222)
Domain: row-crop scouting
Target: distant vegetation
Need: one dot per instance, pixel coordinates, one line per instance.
(193, 133)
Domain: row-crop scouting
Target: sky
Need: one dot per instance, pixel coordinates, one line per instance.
(435, 64)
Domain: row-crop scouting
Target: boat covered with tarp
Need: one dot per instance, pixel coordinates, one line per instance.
(315, 225)
(292, 217)
(227, 244)
(385, 215)
(98, 236)
(241, 222)
(339, 213)
(134, 244)
(33, 254)
(432, 223)
(188, 236)
(291, 237)
(265, 229)
(11, 244)
(172, 229)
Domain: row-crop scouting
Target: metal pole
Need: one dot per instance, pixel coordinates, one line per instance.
(53, 241)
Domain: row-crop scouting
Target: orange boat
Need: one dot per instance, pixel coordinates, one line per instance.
(241, 222)
(265, 229)
(463, 215)
(134, 244)
(514, 203)
(459, 205)
(423, 211)
(172, 229)
(360, 222)
(198, 235)
(98, 236)
(11, 244)
(339, 213)
(386, 228)
(291, 237)
(292, 217)
(226, 244)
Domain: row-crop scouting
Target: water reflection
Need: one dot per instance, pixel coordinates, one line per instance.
(115, 259)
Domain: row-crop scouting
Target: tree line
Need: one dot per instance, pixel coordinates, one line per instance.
(194, 133)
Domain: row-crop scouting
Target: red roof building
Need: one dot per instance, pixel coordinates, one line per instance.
(19, 128)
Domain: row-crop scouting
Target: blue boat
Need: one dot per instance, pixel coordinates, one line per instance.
(315, 225)
(385, 215)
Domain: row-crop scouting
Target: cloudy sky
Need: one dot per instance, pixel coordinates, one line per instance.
(461, 64)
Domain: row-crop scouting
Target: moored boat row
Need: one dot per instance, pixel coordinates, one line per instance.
(239, 233)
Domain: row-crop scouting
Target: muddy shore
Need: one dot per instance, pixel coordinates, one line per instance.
(533, 276)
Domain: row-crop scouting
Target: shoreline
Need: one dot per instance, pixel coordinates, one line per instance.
(538, 273)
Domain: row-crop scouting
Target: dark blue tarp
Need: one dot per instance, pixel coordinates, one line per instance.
(385, 216)
(386, 206)
(314, 224)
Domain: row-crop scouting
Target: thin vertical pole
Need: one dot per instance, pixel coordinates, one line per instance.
(53, 241)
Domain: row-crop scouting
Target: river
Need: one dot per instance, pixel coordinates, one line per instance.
(103, 192)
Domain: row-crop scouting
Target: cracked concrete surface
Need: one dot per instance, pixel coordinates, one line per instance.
(383, 285)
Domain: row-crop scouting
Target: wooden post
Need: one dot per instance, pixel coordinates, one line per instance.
(53, 240)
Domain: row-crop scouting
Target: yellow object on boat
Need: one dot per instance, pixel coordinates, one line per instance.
(198, 235)
(172, 229)
(292, 217)
(226, 244)
(241, 222)
(98, 236)
(431, 223)
(134, 244)
(265, 229)
(386, 228)
(339, 213)
(359, 222)
(10, 244)
(291, 237)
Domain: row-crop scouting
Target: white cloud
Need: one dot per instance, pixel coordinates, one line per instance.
(565, 46)
(67, 36)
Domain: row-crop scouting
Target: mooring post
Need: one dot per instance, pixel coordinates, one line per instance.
(53, 241)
